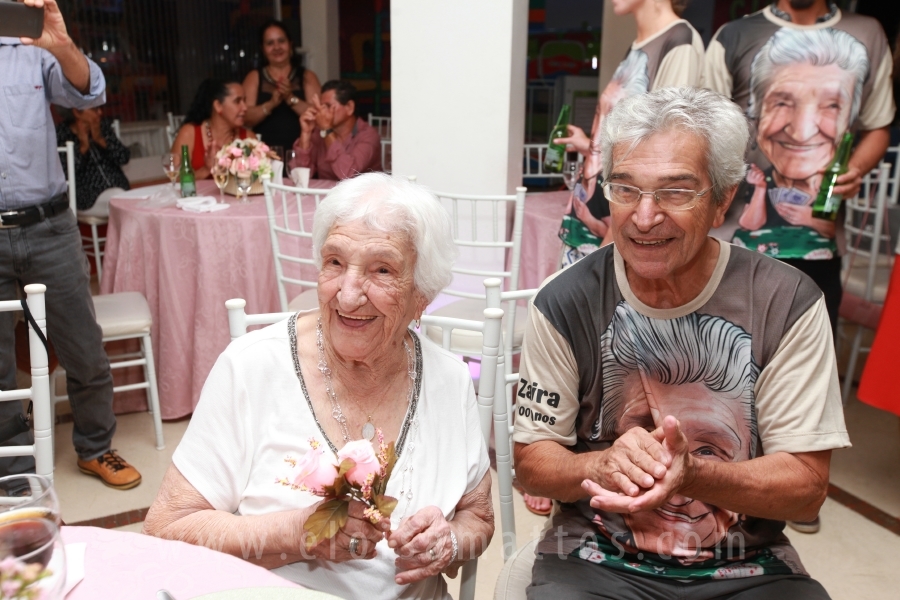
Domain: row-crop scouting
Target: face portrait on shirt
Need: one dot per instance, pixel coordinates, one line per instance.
(804, 111)
(714, 425)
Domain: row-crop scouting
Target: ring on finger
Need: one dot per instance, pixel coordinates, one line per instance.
(432, 554)
(354, 545)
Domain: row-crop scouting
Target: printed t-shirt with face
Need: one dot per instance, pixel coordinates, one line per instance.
(672, 57)
(747, 368)
(802, 87)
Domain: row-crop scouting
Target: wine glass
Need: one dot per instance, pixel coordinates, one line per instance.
(27, 496)
(244, 177)
(220, 176)
(170, 166)
(571, 171)
(33, 556)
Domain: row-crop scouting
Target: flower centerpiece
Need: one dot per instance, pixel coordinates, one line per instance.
(258, 161)
(358, 473)
(18, 580)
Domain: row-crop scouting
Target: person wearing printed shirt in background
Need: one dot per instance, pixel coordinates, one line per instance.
(668, 51)
(804, 73)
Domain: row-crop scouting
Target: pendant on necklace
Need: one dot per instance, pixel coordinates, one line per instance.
(368, 431)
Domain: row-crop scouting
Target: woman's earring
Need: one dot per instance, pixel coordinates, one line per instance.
(418, 323)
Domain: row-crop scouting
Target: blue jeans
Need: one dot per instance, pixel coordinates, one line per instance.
(50, 252)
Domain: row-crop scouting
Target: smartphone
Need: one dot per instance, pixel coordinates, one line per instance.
(18, 20)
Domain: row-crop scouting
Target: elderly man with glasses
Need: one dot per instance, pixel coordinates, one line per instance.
(679, 396)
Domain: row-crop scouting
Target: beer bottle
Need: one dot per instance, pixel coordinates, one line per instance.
(556, 153)
(186, 175)
(827, 202)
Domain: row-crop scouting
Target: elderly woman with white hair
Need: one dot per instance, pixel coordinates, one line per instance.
(339, 373)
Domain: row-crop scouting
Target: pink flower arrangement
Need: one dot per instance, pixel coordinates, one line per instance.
(257, 153)
(17, 580)
(357, 473)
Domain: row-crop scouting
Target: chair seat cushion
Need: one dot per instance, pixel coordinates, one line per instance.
(516, 574)
(468, 343)
(305, 301)
(122, 314)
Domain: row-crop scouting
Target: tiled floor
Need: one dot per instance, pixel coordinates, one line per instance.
(853, 557)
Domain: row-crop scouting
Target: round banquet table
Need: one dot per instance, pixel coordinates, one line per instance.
(187, 265)
(123, 565)
(878, 385)
(541, 246)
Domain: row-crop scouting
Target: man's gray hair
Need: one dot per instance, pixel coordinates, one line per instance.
(816, 47)
(393, 205)
(631, 74)
(708, 115)
(691, 349)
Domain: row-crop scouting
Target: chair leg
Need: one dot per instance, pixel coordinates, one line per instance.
(152, 391)
(851, 365)
(97, 256)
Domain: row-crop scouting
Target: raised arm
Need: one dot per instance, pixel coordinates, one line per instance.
(55, 39)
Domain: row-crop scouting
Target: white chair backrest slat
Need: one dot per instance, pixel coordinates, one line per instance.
(382, 125)
(292, 238)
(68, 151)
(39, 392)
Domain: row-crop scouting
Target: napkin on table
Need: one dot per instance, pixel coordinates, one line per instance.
(200, 204)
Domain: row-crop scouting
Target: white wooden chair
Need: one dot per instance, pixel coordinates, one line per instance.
(869, 258)
(483, 233)
(175, 122)
(39, 392)
(68, 151)
(382, 125)
(292, 242)
(386, 157)
(125, 316)
(491, 407)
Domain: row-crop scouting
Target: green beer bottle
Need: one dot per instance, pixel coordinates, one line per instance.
(556, 153)
(186, 175)
(827, 202)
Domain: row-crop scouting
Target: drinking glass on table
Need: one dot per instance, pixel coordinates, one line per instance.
(29, 534)
(244, 177)
(571, 172)
(220, 176)
(171, 165)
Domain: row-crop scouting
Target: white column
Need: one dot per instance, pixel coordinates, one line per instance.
(618, 33)
(319, 31)
(458, 93)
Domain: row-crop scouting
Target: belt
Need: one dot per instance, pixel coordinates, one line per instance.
(34, 214)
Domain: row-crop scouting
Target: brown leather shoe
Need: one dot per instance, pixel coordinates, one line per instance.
(112, 471)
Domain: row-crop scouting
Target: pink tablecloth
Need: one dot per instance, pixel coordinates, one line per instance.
(541, 246)
(187, 265)
(125, 565)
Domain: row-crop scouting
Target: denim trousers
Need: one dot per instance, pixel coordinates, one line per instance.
(50, 252)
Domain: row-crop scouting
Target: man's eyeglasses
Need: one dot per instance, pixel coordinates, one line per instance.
(666, 199)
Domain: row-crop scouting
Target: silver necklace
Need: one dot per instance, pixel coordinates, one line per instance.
(368, 429)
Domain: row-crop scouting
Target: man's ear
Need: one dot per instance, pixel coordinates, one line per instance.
(722, 208)
(351, 106)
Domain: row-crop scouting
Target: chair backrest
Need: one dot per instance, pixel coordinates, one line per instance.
(480, 231)
(492, 409)
(117, 128)
(39, 392)
(175, 122)
(533, 167)
(386, 157)
(68, 154)
(382, 124)
(892, 156)
(291, 211)
(867, 235)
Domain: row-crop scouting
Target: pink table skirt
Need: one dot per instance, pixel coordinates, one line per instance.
(187, 265)
(124, 565)
(541, 246)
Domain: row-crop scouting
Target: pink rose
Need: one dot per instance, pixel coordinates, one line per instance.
(235, 152)
(262, 148)
(254, 163)
(316, 470)
(225, 162)
(362, 453)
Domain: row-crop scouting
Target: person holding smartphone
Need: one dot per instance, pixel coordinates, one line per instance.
(40, 241)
